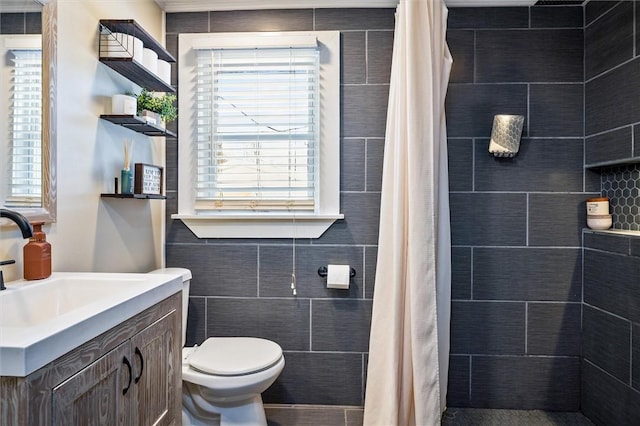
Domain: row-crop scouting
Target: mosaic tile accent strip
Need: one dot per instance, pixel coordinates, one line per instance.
(621, 185)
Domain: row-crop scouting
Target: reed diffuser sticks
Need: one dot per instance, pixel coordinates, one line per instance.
(128, 148)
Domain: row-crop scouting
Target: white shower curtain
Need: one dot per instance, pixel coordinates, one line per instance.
(409, 344)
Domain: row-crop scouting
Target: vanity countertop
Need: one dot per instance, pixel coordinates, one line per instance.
(44, 319)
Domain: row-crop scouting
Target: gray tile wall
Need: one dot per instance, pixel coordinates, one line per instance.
(241, 287)
(21, 23)
(611, 329)
(610, 332)
(517, 223)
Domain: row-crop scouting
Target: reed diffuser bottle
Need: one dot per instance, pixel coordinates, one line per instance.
(126, 174)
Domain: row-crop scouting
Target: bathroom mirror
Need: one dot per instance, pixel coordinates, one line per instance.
(10, 15)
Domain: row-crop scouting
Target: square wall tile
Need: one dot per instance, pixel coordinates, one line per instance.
(364, 110)
(460, 157)
(461, 272)
(461, 45)
(318, 378)
(276, 263)
(612, 100)
(610, 146)
(557, 219)
(375, 160)
(33, 23)
(556, 110)
(218, 270)
(609, 40)
(596, 8)
(352, 164)
(340, 325)
(611, 283)
(12, 23)
(262, 20)
(526, 383)
(360, 224)
(490, 219)
(532, 274)
(557, 17)
(606, 342)
(606, 400)
(554, 329)
(196, 321)
(187, 22)
(635, 358)
(548, 55)
(283, 321)
(487, 327)
(354, 19)
(470, 107)
(353, 57)
(541, 165)
(611, 243)
(488, 17)
(292, 415)
(370, 260)
(379, 54)
(459, 380)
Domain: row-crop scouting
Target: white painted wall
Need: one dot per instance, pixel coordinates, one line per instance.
(94, 234)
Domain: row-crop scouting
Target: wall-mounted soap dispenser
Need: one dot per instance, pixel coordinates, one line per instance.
(505, 135)
(37, 255)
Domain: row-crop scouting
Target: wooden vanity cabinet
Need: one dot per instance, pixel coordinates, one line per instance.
(129, 375)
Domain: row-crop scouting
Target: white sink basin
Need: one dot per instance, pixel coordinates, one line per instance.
(42, 320)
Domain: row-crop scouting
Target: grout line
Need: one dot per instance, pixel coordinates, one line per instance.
(539, 302)
(527, 221)
(472, 272)
(526, 328)
(366, 154)
(470, 375)
(366, 57)
(473, 165)
(311, 325)
(258, 271)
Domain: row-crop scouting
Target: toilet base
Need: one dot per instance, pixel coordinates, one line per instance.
(197, 411)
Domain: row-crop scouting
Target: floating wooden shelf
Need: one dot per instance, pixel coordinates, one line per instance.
(127, 66)
(137, 124)
(135, 196)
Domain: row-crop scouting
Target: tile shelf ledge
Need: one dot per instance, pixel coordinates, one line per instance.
(613, 163)
(621, 232)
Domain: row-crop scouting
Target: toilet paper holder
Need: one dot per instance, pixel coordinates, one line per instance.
(322, 271)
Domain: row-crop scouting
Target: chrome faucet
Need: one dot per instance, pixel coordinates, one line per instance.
(25, 228)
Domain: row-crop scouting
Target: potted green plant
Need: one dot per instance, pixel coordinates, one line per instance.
(157, 109)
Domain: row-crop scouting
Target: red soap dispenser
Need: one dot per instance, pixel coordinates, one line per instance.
(37, 255)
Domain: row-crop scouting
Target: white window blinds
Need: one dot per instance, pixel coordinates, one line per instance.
(25, 167)
(257, 129)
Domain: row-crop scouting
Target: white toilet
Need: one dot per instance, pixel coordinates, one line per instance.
(223, 378)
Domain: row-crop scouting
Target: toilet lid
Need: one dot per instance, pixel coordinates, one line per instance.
(233, 356)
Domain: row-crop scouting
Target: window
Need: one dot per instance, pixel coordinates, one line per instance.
(23, 170)
(259, 134)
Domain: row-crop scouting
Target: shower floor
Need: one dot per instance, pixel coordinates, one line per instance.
(319, 415)
(479, 416)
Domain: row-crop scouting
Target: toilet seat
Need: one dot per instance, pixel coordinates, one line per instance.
(234, 356)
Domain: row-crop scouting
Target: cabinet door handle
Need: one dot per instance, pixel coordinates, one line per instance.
(126, 362)
(139, 353)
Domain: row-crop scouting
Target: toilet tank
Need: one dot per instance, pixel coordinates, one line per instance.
(186, 283)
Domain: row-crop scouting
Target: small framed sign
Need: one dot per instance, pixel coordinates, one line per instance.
(147, 179)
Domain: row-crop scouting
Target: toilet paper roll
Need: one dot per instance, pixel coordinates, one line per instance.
(338, 276)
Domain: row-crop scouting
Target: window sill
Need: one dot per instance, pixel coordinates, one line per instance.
(266, 225)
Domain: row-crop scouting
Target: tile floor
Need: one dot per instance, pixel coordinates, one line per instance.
(318, 415)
